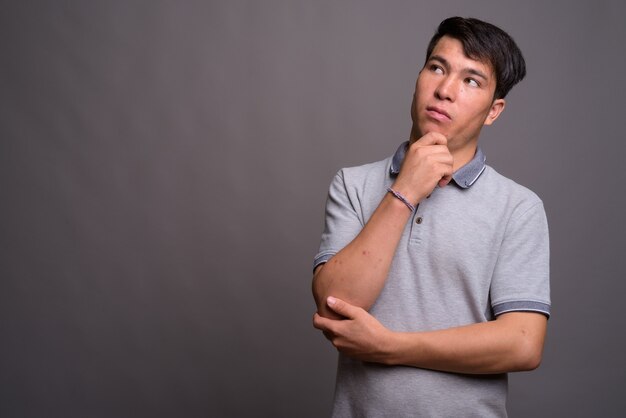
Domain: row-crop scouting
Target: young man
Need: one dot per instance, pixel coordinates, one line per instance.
(432, 276)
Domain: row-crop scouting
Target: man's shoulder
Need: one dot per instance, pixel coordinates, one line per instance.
(375, 166)
(366, 171)
(504, 188)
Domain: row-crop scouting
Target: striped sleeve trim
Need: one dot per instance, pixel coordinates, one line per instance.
(522, 306)
(322, 258)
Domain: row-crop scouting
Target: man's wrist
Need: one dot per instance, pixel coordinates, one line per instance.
(401, 198)
(389, 349)
(411, 193)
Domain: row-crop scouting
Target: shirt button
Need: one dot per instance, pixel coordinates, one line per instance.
(418, 220)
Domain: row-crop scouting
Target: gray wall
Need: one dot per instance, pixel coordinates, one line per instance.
(163, 171)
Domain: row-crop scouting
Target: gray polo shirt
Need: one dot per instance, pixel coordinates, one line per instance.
(473, 250)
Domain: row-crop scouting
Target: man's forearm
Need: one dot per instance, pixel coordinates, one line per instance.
(513, 342)
(358, 272)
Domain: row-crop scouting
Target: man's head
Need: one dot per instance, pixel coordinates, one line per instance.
(483, 41)
(470, 67)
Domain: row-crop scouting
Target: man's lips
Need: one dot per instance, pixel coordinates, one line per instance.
(437, 113)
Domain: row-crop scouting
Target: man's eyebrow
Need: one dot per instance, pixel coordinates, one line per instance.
(441, 59)
(468, 70)
(476, 73)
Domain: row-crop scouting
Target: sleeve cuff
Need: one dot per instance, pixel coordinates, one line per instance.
(322, 257)
(522, 306)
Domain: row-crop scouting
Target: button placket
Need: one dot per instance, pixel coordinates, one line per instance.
(415, 233)
(418, 218)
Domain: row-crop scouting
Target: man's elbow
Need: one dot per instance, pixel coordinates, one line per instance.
(530, 362)
(319, 291)
(526, 336)
(528, 355)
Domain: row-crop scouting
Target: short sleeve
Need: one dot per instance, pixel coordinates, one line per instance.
(342, 222)
(521, 280)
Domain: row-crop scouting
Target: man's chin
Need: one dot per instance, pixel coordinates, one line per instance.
(417, 133)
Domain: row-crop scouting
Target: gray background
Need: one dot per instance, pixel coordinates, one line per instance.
(163, 171)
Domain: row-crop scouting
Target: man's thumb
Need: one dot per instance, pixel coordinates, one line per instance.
(339, 306)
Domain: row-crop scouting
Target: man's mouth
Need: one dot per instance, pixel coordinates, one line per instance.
(437, 113)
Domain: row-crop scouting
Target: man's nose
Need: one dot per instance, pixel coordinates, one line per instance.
(447, 89)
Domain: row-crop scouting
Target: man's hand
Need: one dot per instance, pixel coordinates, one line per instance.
(358, 335)
(427, 163)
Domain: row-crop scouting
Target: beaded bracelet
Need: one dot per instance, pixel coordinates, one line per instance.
(402, 199)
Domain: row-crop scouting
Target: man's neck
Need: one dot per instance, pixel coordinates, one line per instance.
(463, 156)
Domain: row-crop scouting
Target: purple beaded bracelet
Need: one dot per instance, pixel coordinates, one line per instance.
(402, 199)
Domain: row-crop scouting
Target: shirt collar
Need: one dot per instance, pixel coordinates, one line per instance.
(464, 177)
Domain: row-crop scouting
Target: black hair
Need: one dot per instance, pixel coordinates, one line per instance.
(485, 42)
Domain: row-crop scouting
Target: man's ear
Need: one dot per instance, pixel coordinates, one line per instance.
(497, 107)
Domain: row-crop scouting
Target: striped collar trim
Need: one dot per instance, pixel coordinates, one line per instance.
(464, 177)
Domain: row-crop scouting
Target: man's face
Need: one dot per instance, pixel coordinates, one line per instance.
(454, 96)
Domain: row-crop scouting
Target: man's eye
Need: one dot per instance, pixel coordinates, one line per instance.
(436, 69)
(472, 82)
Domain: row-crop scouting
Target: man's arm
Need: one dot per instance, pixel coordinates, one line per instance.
(358, 272)
(512, 342)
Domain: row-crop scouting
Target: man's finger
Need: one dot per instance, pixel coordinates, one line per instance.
(341, 307)
(432, 138)
(319, 322)
(445, 180)
(322, 324)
